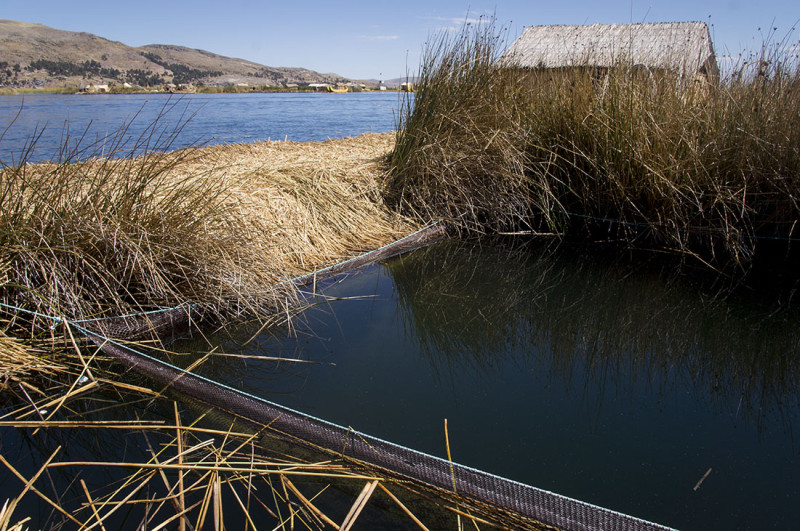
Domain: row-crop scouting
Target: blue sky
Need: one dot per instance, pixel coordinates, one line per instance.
(378, 38)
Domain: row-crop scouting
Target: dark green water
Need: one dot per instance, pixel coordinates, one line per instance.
(616, 381)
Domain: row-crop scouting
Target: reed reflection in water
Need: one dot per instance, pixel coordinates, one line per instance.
(625, 380)
(593, 321)
(613, 380)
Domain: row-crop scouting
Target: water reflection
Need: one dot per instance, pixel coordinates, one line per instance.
(596, 322)
(575, 369)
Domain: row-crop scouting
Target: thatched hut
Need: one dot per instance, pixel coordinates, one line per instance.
(683, 47)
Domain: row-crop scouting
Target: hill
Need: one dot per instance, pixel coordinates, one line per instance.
(34, 55)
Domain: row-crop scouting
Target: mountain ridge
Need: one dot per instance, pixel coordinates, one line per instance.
(35, 55)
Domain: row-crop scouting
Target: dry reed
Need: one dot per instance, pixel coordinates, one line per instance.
(189, 472)
(310, 204)
(18, 361)
(216, 227)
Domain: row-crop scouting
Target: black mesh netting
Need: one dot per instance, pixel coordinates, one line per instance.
(525, 505)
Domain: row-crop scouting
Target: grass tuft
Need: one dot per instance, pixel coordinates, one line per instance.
(458, 154)
(118, 231)
(123, 226)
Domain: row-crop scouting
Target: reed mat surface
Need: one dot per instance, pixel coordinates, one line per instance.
(217, 227)
(318, 203)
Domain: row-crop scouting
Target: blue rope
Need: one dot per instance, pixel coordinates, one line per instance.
(56, 320)
(62, 320)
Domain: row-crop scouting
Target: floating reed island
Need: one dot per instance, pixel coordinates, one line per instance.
(585, 143)
(648, 156)
(216, 227)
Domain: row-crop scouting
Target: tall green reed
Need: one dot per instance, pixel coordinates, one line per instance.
(458, 152)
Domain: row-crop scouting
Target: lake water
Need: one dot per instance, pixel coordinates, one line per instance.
(617, 380)
(202, 118)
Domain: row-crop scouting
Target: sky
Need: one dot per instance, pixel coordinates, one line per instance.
(378, 39)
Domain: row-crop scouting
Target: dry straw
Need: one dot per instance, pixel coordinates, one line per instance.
(210, 473)
(217, 227)
(142, 228)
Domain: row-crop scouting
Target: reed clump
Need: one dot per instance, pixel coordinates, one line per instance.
(118, 231)
(645, 156)
(126, 226)
(459, 152)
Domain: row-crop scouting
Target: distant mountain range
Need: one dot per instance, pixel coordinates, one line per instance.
(33, 55)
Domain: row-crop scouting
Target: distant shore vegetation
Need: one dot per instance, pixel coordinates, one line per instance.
(64, 77)
(114, 88)
(226, 89)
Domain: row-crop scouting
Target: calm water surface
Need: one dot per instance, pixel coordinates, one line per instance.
(97, 120)
(620, 383)
(617, 381)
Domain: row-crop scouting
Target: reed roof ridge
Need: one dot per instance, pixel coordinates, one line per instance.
(685, 47)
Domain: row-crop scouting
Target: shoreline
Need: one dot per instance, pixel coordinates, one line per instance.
(215, 90)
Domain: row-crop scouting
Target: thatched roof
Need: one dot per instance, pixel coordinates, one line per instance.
(681, 46)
